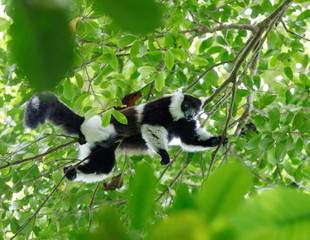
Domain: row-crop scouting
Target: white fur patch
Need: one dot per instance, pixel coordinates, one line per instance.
(94, 132)
(84, 150)
(156, 137)
(175, 106)
(35, 102)
(139, 113)
(203, 135)
(192, 148)
(203, 99)
(90, 178)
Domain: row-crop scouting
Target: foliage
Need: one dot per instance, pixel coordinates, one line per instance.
(249, 58)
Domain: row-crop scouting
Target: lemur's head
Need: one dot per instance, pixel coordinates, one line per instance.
(191, 106)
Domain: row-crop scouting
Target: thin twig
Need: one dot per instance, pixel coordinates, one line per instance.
(204, 73)
(91, 204)
(28, 220)
(187, 162)
(229, 114)
(224, 26)
(293, 33)
(38, 156)
(170, 163)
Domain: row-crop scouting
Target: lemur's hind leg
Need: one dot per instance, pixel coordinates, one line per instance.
(97, 166)
(156, 138)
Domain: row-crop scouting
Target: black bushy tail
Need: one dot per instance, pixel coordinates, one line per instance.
(47, 106)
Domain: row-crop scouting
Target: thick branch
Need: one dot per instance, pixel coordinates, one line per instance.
(253, 43)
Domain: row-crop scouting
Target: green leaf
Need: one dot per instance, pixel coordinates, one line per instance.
(146, 71)
(88, 30)
(305, 80)
(179, 54)
(183, 41)
(266, 99)
(42, 43)
(159, 78)
(288, 72)
(106, 118)
(275, 214)
(120, 117)
(224, 191)
(210, 78)
(108, 56)
(205, 44)
(169, 60)
(4, 24)
(187, 225)
(301, 122)
(126, 40)
(132, 15)
(108, 225)
(3, 147)
(141, 196)
(183, 199)
(274, 117)
(79, 80)
(69, 91)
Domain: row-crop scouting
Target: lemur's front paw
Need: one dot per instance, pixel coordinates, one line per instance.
(70, 172)
(165, 159)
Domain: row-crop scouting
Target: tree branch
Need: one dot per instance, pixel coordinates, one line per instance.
(204, 73)
(91, 204)
(224, 26)
(187, 162)
(293, 33)
(28, 220)
(38, 156)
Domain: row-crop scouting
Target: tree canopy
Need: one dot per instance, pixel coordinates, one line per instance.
(250, 59)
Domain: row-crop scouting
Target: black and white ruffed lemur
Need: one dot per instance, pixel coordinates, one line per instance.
(151, 126)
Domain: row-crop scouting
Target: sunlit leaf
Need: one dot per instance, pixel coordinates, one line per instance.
(120, 117)
(224, 191)
(131, 15)
(275, 214)
(141, 196)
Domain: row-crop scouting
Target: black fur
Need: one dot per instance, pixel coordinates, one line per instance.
(184, 130)
(102, 157)
(135, 143)
(100, 161)
(157, 112)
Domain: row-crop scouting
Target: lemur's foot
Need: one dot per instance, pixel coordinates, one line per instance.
(165, 159)
(70, 172)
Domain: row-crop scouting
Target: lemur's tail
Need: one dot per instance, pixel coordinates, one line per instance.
(47, 106)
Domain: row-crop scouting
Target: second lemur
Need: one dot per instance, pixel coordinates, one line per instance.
(151, 126)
